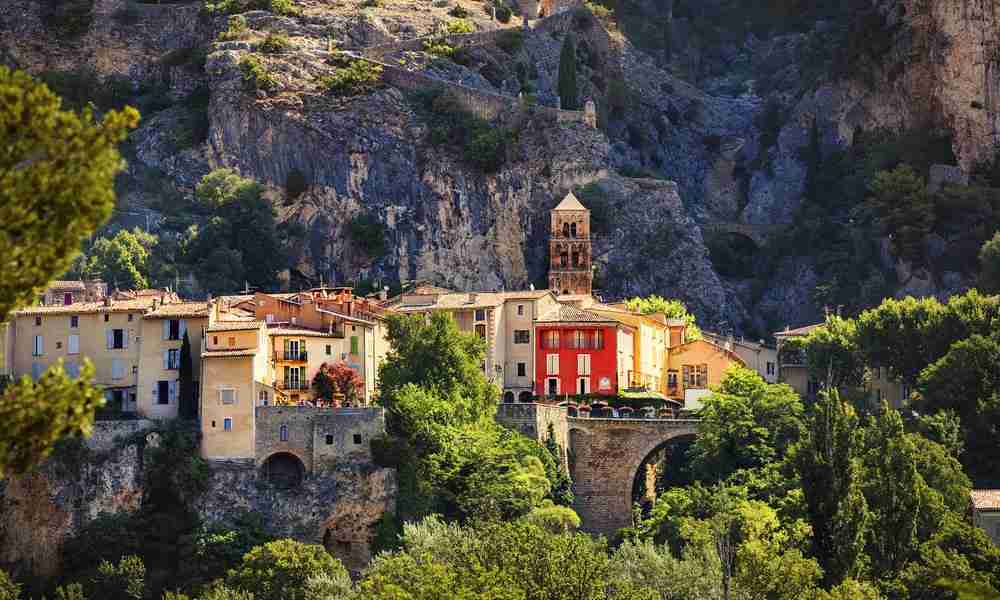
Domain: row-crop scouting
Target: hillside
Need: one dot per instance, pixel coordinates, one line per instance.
(709, 115)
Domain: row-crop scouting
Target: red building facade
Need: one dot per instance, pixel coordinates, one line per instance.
(577, 353)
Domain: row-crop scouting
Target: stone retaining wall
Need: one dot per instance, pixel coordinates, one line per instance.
(322, 438)
(107, 434)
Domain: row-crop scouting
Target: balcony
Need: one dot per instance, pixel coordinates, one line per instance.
(301, 356)
(292, 386)
(640, 382)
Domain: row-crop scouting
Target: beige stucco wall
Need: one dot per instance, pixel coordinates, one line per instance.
(701, 352)
(245, 375)
(518, 353)
(881, 387)
(151, 369)
(988, 522)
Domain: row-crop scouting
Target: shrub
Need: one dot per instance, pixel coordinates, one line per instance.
(504, 14)
(458, 12)
(236, 30)
(230, 7)
(369, 233)
(460, 26)
(295, 184)
(438, 48)
(511, 41)
(70, 18)
(370, 3)
(354, 78)
(191, 57)
(280, 570)
(274, 43)
(255, 74)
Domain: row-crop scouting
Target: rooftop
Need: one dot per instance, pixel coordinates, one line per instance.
(66, 285)
(570, 203)
(299, 331)
(79, 308)
(235, 325)
(179, 309)
(228, 353)
(565, 313)
(453, 301)
(804, 330)
(985, 499)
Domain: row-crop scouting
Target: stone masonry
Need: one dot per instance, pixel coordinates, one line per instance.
(321, 438)
(603, 456)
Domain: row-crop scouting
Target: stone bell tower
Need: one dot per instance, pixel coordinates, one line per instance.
(570, 270)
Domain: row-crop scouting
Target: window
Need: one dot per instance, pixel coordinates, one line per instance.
(269, 318)
(520, 310)
(522, 369)
(172, 359)
(770, 368)
(598, 339)
(227, 424)
(583, 364)
(74, 322)
(283, 433)
(572, 230)
(357, 438)
(583, 386)
(329, 350)
(552, 386)
(480, 314)
(522, 336)
(67, 298)
(173, 329)
(116, 339)
(701, 376)
(227, 396)
(38, 321)
(672, 379)
(215, 340)
(551, 339)
(905, 393)
(135, 369)
(354, 344)
(579, 339)
(36, 370)
(262, 397)
(130, 315)
(688, 376)
(329, 440)
(161, 392)
(481, 330)
(565, 229)
(117, 369)
(231, 342)
(39, 347)
(552, 364)
(107, 317)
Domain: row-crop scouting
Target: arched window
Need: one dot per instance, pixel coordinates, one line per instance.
(572, 230)
(564, 259)
(283, 433)
(565, 229)
(508, 397)
(576, 258)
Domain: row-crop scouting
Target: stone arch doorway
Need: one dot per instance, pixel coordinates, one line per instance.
(524, 397)
(508, 397)
(283, 470)
(663, 467)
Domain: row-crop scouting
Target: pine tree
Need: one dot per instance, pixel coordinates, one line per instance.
(567, 75)
(829, 467)
(187, 408)
(562, 485)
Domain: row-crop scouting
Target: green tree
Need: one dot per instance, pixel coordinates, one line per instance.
(832, 353)
(209, 553)
(550, 517)
(905, 210)
(669, 308)
(281, 570)
(8, 589)
(828, 465)
(745, 424)
(562, 485)
(567, 75)
(187, 407)
(989, 265)
(432, 353)
(122, 260)
(57, 170)
(124, 580)
(902, 335)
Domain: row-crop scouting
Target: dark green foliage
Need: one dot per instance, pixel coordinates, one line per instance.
(83, 86)
(388, 530)
(124, 580)
(827, 462)
(209, 553)
(369, 234)
(280, 570)
(458, 11)
(478, 142)
(504, 13)
(255, 74)
(190, 57)
(274, 43)
(989, 265)
(567, 86)
(351, 77)
(562, 485)
(511, 41)
(187, 408)
(232, 7)
(732, 255)
(905, 211)
(67, 18)
(109, 537)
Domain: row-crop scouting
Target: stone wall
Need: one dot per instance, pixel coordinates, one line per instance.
(456, 41)
(108, 434)
(322, 438)
(533, 420)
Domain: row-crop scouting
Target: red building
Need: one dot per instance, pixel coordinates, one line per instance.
(580, 352)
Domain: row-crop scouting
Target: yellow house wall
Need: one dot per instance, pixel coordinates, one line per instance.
(700, 352)
(518, 353)
(881, 385)
(219, 340)
(151, 369)
(244, 374)
(55, 329)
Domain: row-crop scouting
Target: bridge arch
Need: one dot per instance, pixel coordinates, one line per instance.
(636, 468)
(605, 455)
(283, 470)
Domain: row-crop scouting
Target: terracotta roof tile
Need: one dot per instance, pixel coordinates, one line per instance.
(179, 309)
(299, 331)
(565, 313)
(235, 325)
(228, 353)
(805, 330)
(458, 301)
(79, 308)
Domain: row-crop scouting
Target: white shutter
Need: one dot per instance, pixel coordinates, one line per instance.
(74, 344)
(36, 370)
(173, 391)
(166, 359)
(166, 329)
(117, 368)
(183, 328)
(553, 364)
(156, 393)
(124, 338)
(110, 335)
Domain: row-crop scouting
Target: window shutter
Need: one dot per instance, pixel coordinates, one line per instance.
(110, 335)
(74, 344)
(124, 338)
(581, 368)
(156, 393)
(166, 329)
(166, 359)
(183, 328)
(173, 391)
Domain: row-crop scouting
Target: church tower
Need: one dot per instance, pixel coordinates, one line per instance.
(570, 269)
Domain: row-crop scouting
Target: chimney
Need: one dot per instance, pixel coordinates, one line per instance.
(473, 297)
(208, 301)
(383, 294)
(107, 301)
(154, 303)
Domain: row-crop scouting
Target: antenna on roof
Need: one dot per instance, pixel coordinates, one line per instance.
(246, 287)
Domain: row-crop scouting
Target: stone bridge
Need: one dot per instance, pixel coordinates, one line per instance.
(603, 456)
(758, 233)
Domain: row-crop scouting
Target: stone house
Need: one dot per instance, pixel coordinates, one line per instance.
(985, 506)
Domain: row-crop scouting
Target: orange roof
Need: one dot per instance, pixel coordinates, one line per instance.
(985, 499)
(79, 308)
(228, 353)
(798, 331)
(179, 309)
(235, 325)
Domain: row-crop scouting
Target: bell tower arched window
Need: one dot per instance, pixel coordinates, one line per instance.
(565, 229)
(572, 230)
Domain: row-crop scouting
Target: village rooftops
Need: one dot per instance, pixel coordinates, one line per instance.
(64, 285)
(570, 203)
(179, 310)
(80, 308)
(235, 325)
(455, 301)
(985, 499)
(565, 313)
(301, 332)
(234, 353)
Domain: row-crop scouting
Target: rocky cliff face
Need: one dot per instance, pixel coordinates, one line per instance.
(40, 510)
(725, 119)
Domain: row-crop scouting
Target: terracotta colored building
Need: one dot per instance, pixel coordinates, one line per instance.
(581, 352)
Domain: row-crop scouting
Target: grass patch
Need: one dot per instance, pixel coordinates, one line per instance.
(479, 143)
(352, 77)
(255, 74)
(286, 8)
